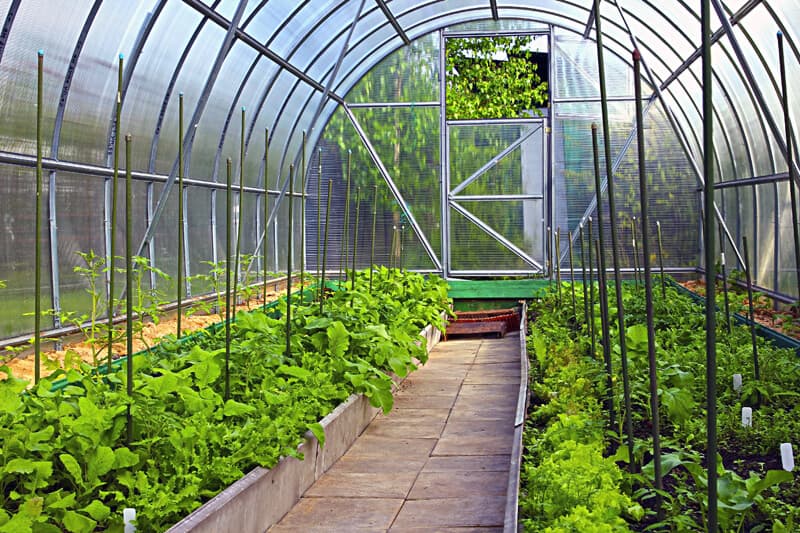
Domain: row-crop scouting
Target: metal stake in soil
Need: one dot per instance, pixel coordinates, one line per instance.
(374, 223)
(583, 282)
(289, 266)
(635, 254)
(113, 225)
(303, 216)
(592, 331)
(612, 213)
(752, 316)
(355, 240)
(239, 220)
(557, 258)
(180, 215)
(37, 311)
(787, 123)
(572, 276)
(129, 281)
(266, 209)
(319, 218)
(325, 249)
(724, 282)
(391, 248)
(603, 287)
(549, 259)
(228, 222)
(711, 314)
(402, 247)
(344, 251)
(648, 287)
(661, 261)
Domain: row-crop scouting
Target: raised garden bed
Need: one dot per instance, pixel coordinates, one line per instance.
(68, 465)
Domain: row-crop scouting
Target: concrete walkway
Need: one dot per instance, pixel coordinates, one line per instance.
(438, 461)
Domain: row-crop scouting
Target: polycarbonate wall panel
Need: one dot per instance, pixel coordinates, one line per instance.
(200, 253)
(39, 25)
(190, 81)
(576, 74)
(17, 250)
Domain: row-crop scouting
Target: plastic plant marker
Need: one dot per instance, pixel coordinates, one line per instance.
(787, 456)
(128, 519)
(747, 417)
(737, 382)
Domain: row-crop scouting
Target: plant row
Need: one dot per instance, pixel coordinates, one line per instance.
(66, 463)
(577, 469)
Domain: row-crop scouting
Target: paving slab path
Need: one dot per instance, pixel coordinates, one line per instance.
(439, 461)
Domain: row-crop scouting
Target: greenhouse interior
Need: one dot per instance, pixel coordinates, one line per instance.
(395, 265)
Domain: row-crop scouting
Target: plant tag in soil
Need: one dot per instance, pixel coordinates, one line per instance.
(128, 517)
(787, 457)
(737, 382)
(747, 417)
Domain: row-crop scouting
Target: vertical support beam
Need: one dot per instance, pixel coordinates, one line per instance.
(444, 158)
(787, 126)
(711, 315)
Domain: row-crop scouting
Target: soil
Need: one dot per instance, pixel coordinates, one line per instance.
(22, 366)
(785, 321)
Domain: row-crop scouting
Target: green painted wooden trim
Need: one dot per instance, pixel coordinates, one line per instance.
(497, 289)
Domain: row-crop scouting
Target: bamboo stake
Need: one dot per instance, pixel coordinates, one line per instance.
(648, 288)
(180, 214)
(37, 311)
(129, 282)
(612, 213)
(325, 249)
(113, 223)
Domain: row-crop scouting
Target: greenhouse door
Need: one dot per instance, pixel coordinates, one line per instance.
(494, 187)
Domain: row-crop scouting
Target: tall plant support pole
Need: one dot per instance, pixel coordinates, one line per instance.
(129, 282)
(752, 316)
(725, 281)
(180, 213)
(558, 263)
(591, 289)
(374, 224)
(635, 253)
(37, 299)
(402, 235)
(239, 220)
(319, 218)
(355, 239)
(325, 249)
(549, 258)
(661, 260)
(787, 124)
(572, 276)
(583, 281)
(603, 287)
(266, 208)
(344, 249)
(113, 225)
(289, 266)
(303, 183)
(711, 278)
(648, 286)
(612, 213)
(228, 216)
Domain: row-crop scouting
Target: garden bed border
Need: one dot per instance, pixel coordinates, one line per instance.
(511, 518)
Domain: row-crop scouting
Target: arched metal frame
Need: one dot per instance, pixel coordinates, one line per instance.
(366, 32)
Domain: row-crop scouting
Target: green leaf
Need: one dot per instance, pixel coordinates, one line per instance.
(20, 466)
(78, 523)
(319, 432)
(773, 477)
(398, 366)
(97, 510)
(294, 371)
(100, 462)
(124, 458)
(234, 408)
(73, 468)
(66, 502)
(338, 339)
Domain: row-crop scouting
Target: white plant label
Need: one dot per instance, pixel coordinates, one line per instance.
(787, 457)
(128, 517)
(737, 382)
(722, 258)
(747, 417)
